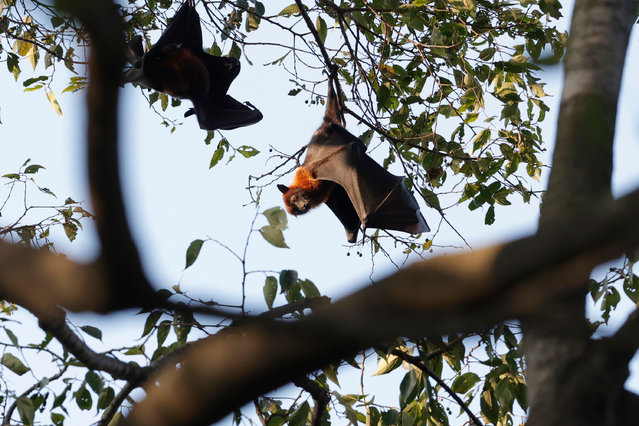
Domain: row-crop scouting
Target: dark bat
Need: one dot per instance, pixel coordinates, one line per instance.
(178, 66)
(337, 171)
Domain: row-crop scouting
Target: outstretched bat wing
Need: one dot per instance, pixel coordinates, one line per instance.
(366, 193)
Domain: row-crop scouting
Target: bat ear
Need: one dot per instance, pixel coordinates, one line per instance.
(283, 188)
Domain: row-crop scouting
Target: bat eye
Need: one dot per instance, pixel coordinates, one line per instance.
(293, 199)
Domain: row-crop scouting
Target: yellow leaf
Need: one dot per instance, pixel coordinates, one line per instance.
(33, 57)
(24, 48)
(54, 102)
(387, 364)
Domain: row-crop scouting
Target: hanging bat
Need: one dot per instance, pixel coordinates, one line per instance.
(177, 65)
(337, 171)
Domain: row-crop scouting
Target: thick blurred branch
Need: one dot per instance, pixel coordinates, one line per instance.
(446, 294)
(129, 286)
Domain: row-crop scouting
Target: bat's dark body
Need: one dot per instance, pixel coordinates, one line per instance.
(178, 65)
(365, 193)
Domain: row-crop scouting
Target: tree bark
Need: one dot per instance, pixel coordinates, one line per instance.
(573, 380)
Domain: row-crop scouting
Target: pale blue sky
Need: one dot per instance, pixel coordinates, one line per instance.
(173, 198)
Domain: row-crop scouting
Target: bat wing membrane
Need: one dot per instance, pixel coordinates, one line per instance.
(367, 193)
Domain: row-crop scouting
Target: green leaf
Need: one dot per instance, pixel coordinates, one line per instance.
(270, 291)
(95, 381)
(151, 320)
(59, 400)
(437, 414)
(276, 421)
(105, 398)
(92, 331)
(137, 350)
(30, 81)
(464, 382)
(217, 156)
(309, 289)
(300, 416)
(408, 388)
(321, 28)
(431, 198)
(193, 252)
(57, 419)
(248, 151)
(489, 407)
(12, 336)
(630, 287)
(490, 216)
(83, 398)
(505, 393)
(26, 409)
(163, 331)
(235, 51)
(390, 417)
(288, 278)
(481, 139)
(274, 236)
(331, 374)
(487, 53)
(71, 230)
(276, 217)
(14, 364)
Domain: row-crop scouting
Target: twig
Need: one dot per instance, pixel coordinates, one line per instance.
(57, 326)
(298, 305)
(12, 407)
(114, 406)
(320, 396)
(417, 362)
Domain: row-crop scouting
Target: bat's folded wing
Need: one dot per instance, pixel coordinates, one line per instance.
(375, 197)
(228, 115)
(184, 28)
(341, 206)
(398, 210)
(222, 71)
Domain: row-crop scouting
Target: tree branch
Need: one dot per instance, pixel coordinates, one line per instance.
(122, 262)
(14, 405)
(320, 396)
(113, 408)
(443, 295)
(582, 160)
(57, 326)
(624, 343)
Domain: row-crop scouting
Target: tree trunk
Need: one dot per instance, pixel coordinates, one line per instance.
(573, 380)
